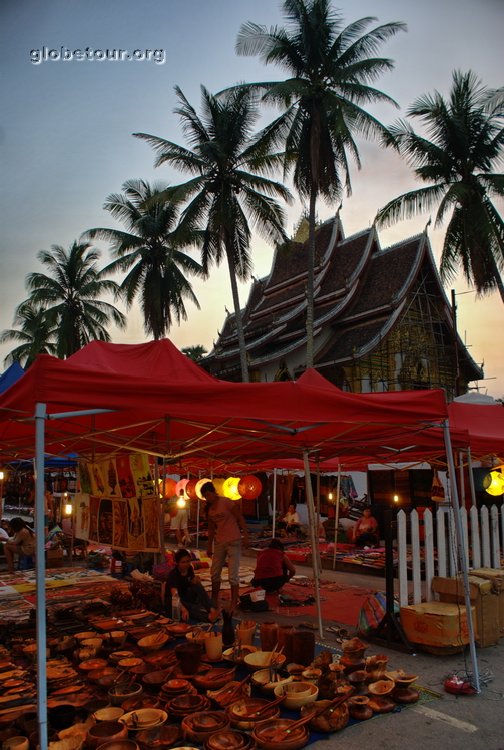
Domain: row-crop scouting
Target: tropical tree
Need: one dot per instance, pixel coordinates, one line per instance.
(229, 187)
(35, 333)
(464, 143)
(150, 250)
(331, 69)
(70, 296)
(196, 352)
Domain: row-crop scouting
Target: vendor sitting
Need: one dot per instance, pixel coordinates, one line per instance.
(273, 567)
(365, 531)
(194, 600)
(290, 523)
(22, 544)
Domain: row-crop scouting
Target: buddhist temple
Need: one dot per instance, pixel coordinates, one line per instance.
(382, 320)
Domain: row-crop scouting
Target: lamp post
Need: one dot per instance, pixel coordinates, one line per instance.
(68, 511)
(1, 489)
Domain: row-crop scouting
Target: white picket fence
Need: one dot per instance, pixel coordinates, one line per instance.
(437, 553)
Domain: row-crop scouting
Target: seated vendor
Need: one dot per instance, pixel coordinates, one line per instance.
(194, 600)
(273, 567)
(21, 544)
(290, 522)
(365, 531)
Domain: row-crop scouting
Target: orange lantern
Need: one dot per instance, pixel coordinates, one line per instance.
(230, 488)
(250, 487)
(190, 489)
(168, 487)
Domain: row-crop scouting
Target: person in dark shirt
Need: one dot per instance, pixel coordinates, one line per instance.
(194, 600)
(273, 567)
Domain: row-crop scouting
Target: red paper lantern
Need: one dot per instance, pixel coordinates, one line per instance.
(169, 488)
(190, 489)
(250, 487)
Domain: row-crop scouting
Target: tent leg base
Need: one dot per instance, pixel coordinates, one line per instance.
(390, 634)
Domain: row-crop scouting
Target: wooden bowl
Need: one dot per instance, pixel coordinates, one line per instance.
(199, 727)
(381, 687)
(115, 656)
(155, 679)
(241, 712)
(266, 734)
(144, 718)
(159, 737)
(142, 701)
(328, 721)
(262, 680)
(229, 739)
(117, 694)
(117, 637)
(109, 713)
(153, 642)
(129, 662)
(119, 745)
(214, 679)
(105, 731)
(183, 705)
(85, 635)
(297, 694)
(96, 674)
(262, 659)
(237, 655)
(91, 664)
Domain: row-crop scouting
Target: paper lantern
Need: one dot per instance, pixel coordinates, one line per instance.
(250, 487)
(230, 488)
(199, 485)
(168, 487)
(190, 489)
(218, 483)
(494, 483)
(180, 487)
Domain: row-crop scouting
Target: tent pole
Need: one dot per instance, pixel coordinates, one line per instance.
(40, 567)
(336, 515)
(274, 502)
(313, 540)
(461, 554)
(471, 479)
(198, 515)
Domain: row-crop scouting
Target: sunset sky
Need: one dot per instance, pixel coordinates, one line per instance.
(66, 125)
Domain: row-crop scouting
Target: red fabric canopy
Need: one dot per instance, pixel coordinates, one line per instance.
(164, 404)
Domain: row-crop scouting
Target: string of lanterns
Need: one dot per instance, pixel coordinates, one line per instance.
(234, 488)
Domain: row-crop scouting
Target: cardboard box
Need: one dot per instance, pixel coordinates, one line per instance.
(436, 625)
(482, 597)
(55, 558)
(496, 576)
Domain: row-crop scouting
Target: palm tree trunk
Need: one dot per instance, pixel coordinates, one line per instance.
(238, 318)
(310, 303)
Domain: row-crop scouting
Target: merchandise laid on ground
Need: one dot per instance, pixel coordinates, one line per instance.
(116, 671)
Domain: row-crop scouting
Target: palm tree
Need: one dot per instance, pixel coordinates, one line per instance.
(149, 250)
(229, 186)
(196, 352)
(331, 68)
(70, 296)
(36, 334)
(464, 142)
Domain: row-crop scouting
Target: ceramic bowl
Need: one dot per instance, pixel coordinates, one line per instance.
(262, 679)
(263, 659)
(297, 694)
(153, 642)
(268, 735)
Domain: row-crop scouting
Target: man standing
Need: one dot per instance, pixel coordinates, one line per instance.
(224, 540)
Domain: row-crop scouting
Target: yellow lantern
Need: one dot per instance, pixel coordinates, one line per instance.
(494, 483)
(218, 483)
(199, 485)
(230, 488)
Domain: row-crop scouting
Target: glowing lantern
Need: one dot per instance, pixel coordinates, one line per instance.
(190, 489)
(230, 488)
(494, 483)
(199, 485)
(218, 483)
(168, 487)
(250, 487)
(180, 487)
(181, 502)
